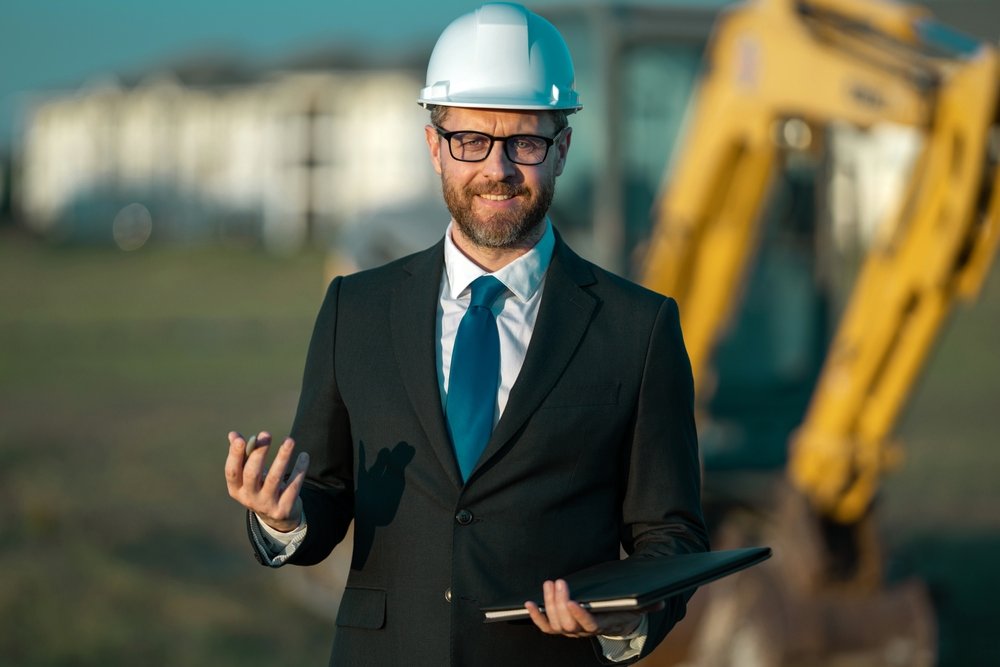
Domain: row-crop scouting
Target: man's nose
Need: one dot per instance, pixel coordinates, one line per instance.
(497, 165)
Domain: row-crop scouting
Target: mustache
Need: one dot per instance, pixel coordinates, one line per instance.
(498, 188)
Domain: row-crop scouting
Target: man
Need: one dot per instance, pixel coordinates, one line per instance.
(493, 413)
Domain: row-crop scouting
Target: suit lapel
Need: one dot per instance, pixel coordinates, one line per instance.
(563, 317)
(413, 318)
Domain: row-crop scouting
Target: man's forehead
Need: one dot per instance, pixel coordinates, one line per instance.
(510, 120)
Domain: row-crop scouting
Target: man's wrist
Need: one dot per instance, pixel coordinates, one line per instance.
(281, 527)
(619, 649)
(278, 536)
(289, 525)
(273, 547)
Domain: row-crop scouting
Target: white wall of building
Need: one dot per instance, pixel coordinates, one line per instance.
(306, 152)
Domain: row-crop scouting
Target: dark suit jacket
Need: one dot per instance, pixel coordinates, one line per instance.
(595, 449)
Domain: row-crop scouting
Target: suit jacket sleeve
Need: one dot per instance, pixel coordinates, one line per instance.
(661, 509)
(322, 429)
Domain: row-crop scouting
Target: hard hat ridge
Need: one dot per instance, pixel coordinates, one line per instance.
(501, 56)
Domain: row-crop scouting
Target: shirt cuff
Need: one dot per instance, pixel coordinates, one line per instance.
(619, 649)
(275, 546)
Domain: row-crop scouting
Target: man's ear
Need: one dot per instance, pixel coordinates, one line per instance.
(434, 146)
(562, 149)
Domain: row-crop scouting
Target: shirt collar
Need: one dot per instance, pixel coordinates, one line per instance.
(523, 276)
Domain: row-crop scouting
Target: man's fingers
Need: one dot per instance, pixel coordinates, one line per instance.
(234, 463)
(276, 474)
(585, 621)
(556, 596)
(549, 598)
(290, 493)
(538, 618)
(565, 619)
(562, 616)
(254, 466)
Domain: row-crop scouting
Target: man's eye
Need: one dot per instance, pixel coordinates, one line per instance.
(474, 142)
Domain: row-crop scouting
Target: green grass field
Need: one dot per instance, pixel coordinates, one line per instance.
(120, 374)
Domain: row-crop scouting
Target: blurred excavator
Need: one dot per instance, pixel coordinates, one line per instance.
(785, 84)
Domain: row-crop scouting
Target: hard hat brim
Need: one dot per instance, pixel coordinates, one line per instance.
(493, 103)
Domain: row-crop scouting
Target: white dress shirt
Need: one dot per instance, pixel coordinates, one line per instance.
(515, 311)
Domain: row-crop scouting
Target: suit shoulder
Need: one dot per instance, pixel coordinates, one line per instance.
(613, 288)
(388, 275)
(604, 283)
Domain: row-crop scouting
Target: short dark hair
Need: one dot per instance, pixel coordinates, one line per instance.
(560, 117)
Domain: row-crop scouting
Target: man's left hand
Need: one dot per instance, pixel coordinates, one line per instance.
(564, 616)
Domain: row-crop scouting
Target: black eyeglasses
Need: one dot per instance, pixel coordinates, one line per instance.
(527, 149)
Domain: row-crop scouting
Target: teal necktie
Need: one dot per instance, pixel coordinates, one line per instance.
(474, 375)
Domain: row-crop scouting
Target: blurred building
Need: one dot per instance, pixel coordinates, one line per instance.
(287, 157)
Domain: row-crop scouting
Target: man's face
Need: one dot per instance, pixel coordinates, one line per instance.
(497, 203)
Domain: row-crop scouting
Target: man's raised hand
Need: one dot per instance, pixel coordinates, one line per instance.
(273, 495)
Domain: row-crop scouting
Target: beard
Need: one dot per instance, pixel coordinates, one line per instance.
(503, 229)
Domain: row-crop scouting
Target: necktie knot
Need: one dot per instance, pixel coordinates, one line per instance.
(485, 290)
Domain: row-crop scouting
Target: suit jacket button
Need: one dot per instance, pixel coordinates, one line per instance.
(464, 517)
(447, 594)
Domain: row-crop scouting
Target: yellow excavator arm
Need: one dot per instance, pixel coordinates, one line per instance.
(777, 73)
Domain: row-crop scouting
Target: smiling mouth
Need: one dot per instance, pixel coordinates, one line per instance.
(490, 197)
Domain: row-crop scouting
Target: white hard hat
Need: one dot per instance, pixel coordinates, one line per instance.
(501, 56)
